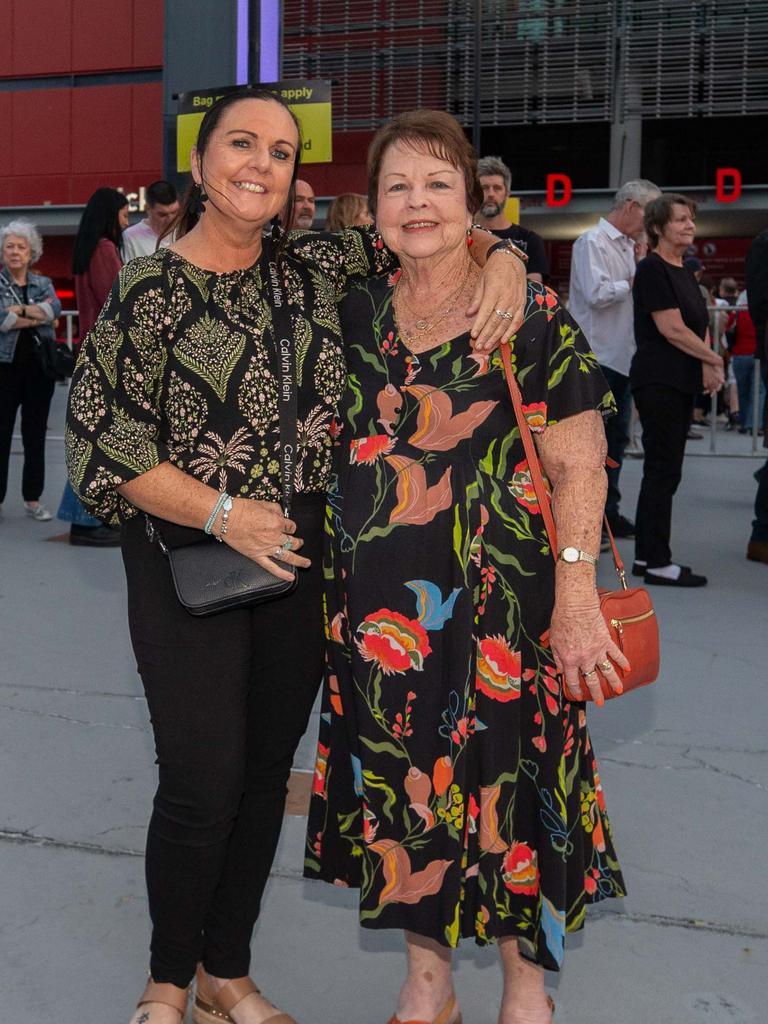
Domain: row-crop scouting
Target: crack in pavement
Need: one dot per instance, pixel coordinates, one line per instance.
(633, 917)
(72, 693)
(687, 754)
(700, 762)
(72, 721)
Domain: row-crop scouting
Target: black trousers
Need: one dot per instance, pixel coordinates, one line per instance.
(665, 416)
(617, 435)
(229, 698)
(27, 388)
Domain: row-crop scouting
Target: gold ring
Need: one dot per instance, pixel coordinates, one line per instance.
(504, 315)
(591, 672)
(605, 666)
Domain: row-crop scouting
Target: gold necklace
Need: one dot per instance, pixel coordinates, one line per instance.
(423, 324)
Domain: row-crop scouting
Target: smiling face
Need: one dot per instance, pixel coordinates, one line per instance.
(680, 230)
(17, 254)
(248, 164)
(421, 205)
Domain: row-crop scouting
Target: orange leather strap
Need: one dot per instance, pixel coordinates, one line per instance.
(534, 466)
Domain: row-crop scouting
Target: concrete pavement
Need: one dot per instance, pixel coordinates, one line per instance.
(684, 765)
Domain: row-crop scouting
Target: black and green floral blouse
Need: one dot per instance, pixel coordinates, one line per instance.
(179, 368)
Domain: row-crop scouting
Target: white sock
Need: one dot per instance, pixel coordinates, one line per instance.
(669, 572)
(640, 562)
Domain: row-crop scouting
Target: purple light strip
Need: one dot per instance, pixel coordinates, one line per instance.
(269, 41)
(243, 33)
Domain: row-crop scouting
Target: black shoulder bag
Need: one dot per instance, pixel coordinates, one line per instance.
(210, 576)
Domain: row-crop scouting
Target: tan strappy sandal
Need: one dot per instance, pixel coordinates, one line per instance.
(444, 1017)
(167, 994)
(214, 1009)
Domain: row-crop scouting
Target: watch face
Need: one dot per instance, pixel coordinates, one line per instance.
(570, 554)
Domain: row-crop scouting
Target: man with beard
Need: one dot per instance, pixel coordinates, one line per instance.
(303, 207)
(496, 181)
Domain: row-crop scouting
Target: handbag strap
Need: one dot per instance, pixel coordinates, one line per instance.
(537, 477)
(285, 360)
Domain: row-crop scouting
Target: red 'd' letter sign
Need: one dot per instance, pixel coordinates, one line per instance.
(727, 176)
(558, 181)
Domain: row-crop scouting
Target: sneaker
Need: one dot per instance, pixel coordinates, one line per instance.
(621, 526)
(694, 435)
(38, 512)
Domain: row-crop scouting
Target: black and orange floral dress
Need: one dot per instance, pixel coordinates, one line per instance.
(455, 785)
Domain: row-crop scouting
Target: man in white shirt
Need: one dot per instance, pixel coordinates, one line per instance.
(600, 300)
(145, 237)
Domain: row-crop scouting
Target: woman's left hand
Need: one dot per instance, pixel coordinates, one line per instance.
(501, 289)
(583, 649)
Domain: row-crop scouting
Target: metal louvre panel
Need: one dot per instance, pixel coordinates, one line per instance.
(695, 57)
(543, 60)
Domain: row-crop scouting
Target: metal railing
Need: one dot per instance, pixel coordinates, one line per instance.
(718, 322)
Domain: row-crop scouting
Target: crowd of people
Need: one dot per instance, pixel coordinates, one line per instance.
(331, 405)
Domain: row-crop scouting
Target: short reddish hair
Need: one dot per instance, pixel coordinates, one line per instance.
(427, 131)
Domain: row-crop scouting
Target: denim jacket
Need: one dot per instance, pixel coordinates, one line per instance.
(40, 292)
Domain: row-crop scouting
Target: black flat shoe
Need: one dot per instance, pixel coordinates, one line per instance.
(685, 579)
(638, 570)
(94, 536)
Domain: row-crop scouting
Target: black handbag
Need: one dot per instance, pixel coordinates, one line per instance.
(55, 360)
(209, 576)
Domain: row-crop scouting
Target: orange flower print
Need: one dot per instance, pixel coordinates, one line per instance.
(437, 428)
(442, 774)
(498, 669)
(536, 415)
(490, 840)
(335, 694)
(393, 642)
(520, 870)
(417, 504)
(321, 768)
(363, 451)
(521, 486)
(370, 824)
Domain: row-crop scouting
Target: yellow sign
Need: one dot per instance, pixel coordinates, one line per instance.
(512, 210)
(310, 101)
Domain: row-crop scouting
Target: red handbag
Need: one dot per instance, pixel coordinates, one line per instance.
(628, 612)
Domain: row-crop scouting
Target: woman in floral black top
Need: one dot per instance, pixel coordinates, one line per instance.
(174, 401)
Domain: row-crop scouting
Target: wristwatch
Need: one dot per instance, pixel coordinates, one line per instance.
(573, 555)
(509, 247)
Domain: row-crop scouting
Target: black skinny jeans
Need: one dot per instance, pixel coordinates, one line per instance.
(27, 388)
(665, 416)
(229, 697)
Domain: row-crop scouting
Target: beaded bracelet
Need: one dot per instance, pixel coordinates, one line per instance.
(226, 509)
(214, 514)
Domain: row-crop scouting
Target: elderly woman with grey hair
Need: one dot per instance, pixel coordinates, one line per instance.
(28, 308)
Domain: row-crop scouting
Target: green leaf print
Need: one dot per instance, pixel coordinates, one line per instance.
(383, 748)
(357, 406)
(345, 821)
(372, 781)
(506, 559)
(370, 358)
(559, 373)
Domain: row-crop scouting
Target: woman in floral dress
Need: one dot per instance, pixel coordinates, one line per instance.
(456, 784)
(174, 407)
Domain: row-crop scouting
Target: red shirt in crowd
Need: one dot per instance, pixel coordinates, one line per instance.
(93, 287)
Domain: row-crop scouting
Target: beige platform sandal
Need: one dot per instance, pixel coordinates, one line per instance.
(167, 994)
(214, 1009)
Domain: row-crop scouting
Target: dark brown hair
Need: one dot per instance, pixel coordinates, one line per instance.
(427, 131)
(189, 212)
(344, 210)
(658, 213)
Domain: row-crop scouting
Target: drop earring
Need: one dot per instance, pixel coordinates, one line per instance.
(198, 199)
(470, 239)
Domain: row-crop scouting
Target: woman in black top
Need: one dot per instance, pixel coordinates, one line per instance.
(673, 363)
(174, 406)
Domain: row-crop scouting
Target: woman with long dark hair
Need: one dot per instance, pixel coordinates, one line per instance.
(96, 263)
(177, 410)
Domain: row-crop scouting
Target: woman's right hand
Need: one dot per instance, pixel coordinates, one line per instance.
(713, 377)
(258, 530)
